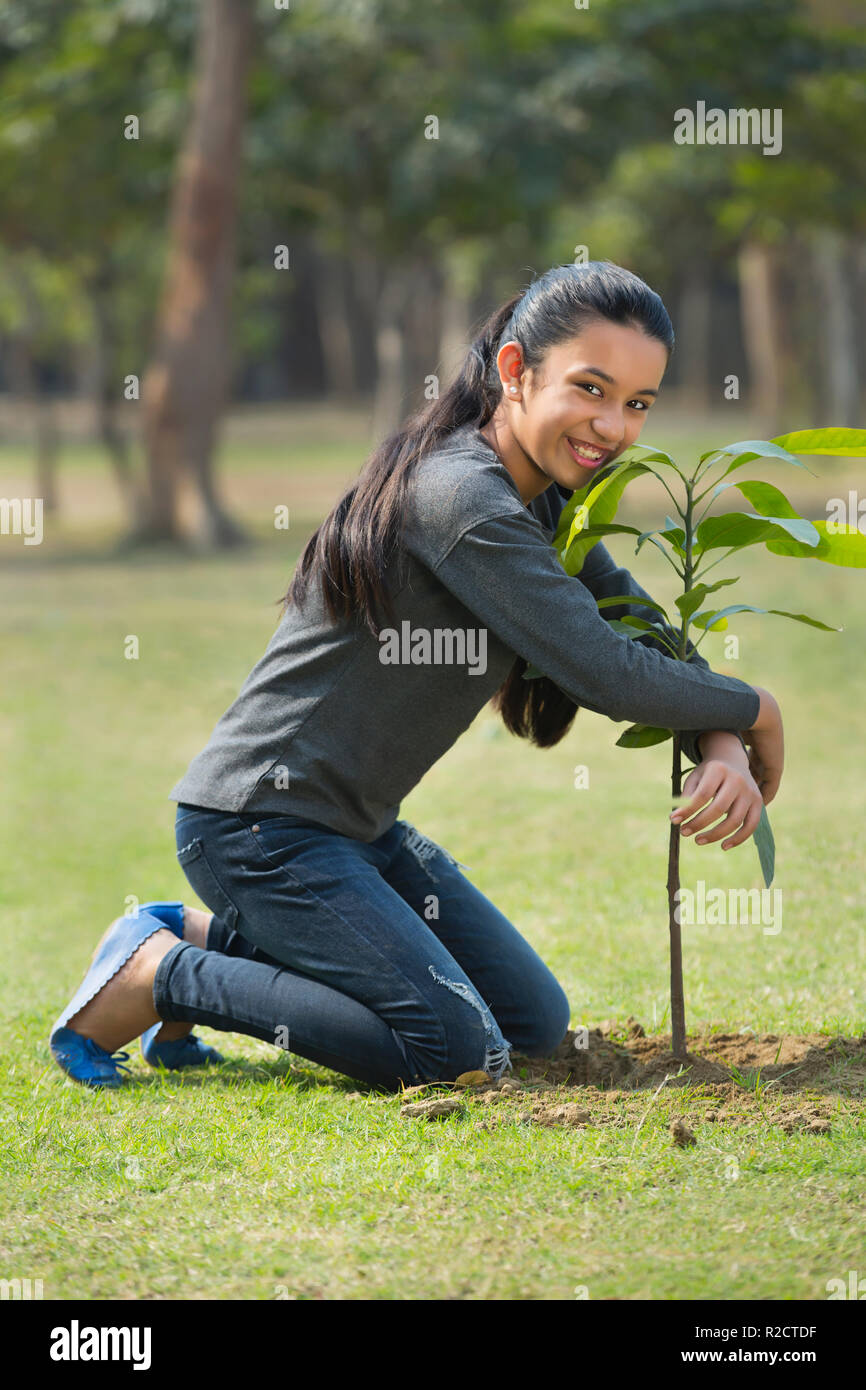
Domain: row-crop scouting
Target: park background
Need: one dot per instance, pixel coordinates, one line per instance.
(265, 377)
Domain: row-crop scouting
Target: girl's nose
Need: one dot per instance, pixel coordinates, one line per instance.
(609, 428)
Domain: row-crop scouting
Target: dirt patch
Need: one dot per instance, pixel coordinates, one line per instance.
(623, 1057)
(792, 1083)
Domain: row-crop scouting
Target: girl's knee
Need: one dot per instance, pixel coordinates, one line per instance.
(473, 1043)
(545, 1029)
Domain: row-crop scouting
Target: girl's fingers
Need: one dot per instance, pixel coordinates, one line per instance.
(720, 796)
(704, 818)
(749, 826)
(699, 793)
(734, 819)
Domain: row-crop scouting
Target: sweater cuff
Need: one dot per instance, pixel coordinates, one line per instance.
(689, 742)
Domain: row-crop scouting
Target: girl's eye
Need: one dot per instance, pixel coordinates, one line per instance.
(591, 386)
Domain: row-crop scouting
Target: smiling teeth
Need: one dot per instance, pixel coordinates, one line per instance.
(587, 450)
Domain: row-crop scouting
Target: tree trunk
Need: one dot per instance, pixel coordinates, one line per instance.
(24, 379)
(332, 312)
(837, 324)
(106, 391)
(422, 333)
(693, 331)
(456, 327)
(365, 279)
(389, 400)
(760, 319)
(185, 385)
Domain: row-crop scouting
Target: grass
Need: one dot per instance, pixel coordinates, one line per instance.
(271, 1178)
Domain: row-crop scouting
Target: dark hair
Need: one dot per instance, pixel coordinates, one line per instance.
(352, 548)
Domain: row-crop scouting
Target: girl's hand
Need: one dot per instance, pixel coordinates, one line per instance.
(767, 741)
(723, 785)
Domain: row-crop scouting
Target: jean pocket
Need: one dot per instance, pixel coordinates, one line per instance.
(195, 864)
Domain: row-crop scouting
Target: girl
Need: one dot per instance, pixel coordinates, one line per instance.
(339, 932)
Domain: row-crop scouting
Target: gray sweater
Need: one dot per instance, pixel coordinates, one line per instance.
(336, 726)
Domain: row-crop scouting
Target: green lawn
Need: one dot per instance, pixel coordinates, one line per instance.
(270, 1177)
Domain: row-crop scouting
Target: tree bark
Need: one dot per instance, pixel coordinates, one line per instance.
(185, 385)
(24, 369)
(837, 324)
(760, 320)
(365, 279)
(106, 391)
(422, 332)
(456, 327)
(389, 400)
(694, 333)
(332, 312)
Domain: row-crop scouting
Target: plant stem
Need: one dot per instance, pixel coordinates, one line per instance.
(678, 1008)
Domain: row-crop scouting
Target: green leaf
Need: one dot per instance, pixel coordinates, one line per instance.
(632, 598)
(843, 443)
(710, 619)
(642, 736)
(766, 847)
(599, 508)
(673, 534)
(766, 499)
(739, 529)
(846, 548)
(632, 626)
(648, 453)
(651, 535)
(747, 449)
(608, 529)
(694, 597)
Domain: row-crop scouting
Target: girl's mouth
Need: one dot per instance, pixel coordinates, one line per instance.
(587, 455)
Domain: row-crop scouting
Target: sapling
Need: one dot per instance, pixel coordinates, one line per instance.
(694, 545)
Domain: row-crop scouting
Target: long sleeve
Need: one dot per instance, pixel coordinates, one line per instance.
(508, 575)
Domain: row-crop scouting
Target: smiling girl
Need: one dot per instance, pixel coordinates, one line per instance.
(339, 932)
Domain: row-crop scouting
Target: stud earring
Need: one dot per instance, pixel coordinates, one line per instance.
(513, 390)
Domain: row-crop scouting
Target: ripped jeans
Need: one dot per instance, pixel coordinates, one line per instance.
(379, 960)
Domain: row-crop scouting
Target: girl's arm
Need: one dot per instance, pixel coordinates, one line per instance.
(605, 579)
(508, 575)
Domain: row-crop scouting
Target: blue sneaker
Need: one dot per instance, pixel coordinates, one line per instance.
(183, 1052)
(82, 1058)
(85, 1061)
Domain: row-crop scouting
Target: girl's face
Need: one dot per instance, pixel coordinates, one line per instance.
(581, 408)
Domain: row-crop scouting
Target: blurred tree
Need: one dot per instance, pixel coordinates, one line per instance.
(408, 137)
(184, 389)
(92, 211)
(41, 312)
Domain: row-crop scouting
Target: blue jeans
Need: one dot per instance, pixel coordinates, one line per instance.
(378, 960)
